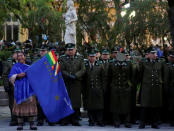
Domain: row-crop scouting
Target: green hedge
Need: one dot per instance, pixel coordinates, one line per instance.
(4, 55)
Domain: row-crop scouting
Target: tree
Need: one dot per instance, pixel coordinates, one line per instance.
(38, 16)
(151, 21)
(3, 17)
(171, 18)
(92, 18)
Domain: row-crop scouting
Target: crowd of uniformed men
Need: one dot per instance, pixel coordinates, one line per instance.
(113, 87)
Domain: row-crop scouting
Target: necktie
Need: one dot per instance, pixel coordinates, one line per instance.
(92, 65)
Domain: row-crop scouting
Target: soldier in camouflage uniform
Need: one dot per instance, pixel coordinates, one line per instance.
(120, 76)
(72, 67)
(151, 77)
(93, 90)
(9, 88)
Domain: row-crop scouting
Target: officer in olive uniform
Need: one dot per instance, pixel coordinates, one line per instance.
(9, 88)
(114, 52)
(93, 90)
(120, 76)
(169, 87)
(73, 69)
(151, 77)
(41, 116)
(135, 84)
(97, 53)
(36, 56)
(27, 55)
(43, 51)
(105, 58)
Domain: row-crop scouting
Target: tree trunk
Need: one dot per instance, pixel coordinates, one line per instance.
(171, 18)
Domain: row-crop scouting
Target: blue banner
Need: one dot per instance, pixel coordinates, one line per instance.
(50, 90)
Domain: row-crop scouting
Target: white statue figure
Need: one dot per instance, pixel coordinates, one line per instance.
(70, 22)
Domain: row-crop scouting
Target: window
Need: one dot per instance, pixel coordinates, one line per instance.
(11, 30)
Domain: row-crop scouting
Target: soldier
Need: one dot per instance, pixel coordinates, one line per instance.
(169, 87)
(97, 53)
(135, 84)
(151, 71)
(35, 56)
(9, 88)
(43, 51)
(114, 52)
(93, 90)
(120, 76)
(105, 61)
(72, 67)
(28, 58)
(41, 116)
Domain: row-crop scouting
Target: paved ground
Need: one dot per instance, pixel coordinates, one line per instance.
(5, 117)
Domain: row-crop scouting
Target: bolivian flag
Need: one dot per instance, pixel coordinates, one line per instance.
(47, 82)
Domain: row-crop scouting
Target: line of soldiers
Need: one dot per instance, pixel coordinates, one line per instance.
(106, 87)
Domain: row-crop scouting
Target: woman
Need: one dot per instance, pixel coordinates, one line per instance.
(25, 102)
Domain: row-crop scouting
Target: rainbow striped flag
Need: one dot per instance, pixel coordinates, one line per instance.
(53, 61)
(48, 85)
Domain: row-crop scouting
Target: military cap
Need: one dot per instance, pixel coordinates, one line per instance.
(105, 51)
(96, 50)
(17, 50)
(115, 49)
(151, 50)
(125, 52)
(92, 53)
(70, 46)
(43, 48)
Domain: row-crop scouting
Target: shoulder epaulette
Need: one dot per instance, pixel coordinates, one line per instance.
(86, 62)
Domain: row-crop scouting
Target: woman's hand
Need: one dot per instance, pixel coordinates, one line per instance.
(21, 75)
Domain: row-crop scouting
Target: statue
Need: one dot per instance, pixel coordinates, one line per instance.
(70, 22)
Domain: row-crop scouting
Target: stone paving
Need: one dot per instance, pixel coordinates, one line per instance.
(5, 117)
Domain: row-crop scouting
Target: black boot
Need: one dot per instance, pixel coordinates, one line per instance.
(40, 123)
(116, 124)
(127, 125)
(91, 124)
(32, 126)
(75, 123)
(20, 126)
(155, 126)
(51, 124)
(101, 124)
(142, 125)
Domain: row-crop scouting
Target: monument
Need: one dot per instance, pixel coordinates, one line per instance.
(70, 22)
